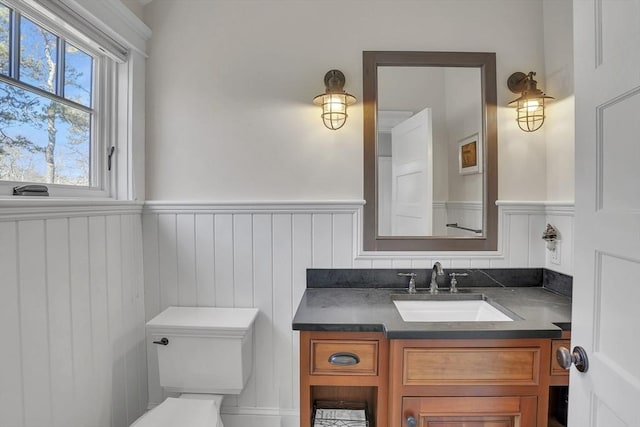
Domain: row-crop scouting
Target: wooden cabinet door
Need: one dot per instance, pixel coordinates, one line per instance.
(510, 411)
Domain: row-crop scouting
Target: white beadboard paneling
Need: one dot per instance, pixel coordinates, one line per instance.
(301, 259)
(205, 268)
(152, 301)
(242, 260)
(34, 324)
(100, 396)
(186, 251)
(168, 260)
(519, 240)
(224, 260)
(322, 240)
(68, 318)
(257, 255)
(116, 321)
(12, 384)
(382, 263)
(282, 305)
(60, 320)
(265, 377)
(536, 245)
(342, 241)
(401, 263)
(81, 315)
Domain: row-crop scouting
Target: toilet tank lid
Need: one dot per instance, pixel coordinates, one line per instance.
(233, 321)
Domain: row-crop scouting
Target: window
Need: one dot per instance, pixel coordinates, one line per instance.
(51, 131)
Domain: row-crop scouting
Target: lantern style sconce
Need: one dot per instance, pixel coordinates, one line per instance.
(334, 101)
(530, 104)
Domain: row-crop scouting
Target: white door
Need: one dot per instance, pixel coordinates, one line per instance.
(606, 299)
(412, 176)
(384, 196)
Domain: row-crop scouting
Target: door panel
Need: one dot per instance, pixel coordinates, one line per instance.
(607, 213)
(507, 411)
(412, 176)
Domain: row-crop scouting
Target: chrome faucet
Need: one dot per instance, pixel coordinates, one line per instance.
(436, 271)
(412, 281)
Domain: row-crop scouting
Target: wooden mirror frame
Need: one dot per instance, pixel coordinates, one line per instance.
(486, 62)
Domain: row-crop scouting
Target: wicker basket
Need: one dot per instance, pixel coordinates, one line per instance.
(331, 413)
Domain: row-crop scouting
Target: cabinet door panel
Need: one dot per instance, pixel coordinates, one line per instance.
(469, 422)
(510, 411)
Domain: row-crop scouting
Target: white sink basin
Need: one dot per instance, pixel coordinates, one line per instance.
(449, 311)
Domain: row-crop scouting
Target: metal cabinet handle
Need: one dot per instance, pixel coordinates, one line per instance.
(163, 341)
(344, 359)
(578, 357)
(411, 421)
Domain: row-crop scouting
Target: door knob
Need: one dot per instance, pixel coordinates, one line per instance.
(578, 357)
(411, 421)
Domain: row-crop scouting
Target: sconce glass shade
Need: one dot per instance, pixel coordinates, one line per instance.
(530, 105)
(334, 101)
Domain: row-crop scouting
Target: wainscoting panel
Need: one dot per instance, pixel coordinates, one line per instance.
(72, 319)
(256, 255)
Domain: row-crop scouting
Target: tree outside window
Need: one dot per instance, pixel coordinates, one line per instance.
(46, 112)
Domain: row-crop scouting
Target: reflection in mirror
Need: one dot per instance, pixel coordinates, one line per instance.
(428, 157)
(430, 151)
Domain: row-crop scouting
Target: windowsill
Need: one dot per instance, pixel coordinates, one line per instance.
(36, 207)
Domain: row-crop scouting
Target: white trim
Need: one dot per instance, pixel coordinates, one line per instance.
(467, 205)
(355, 207)
(276, 206)
(43, 208)
(115, 20)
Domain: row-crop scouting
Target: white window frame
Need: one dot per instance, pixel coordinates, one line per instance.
(108, 75)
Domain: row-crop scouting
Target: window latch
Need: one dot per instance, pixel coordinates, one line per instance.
(109, 156)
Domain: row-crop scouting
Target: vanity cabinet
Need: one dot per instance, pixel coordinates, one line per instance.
(432, 382)
(344, 366)
(481, 383)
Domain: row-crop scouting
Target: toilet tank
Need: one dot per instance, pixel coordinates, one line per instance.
(207, 350)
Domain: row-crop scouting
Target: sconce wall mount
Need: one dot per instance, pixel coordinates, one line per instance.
(335, 100)
(531, 103)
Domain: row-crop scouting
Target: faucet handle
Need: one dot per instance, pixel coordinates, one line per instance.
(454, 282)
(407, 274)
(412, 281)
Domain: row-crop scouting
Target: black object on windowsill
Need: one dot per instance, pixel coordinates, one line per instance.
(31, 190)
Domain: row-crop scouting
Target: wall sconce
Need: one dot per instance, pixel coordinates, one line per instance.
(335, 100)
(530, 104)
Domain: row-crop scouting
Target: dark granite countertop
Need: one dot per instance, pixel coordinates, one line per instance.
(543, 314)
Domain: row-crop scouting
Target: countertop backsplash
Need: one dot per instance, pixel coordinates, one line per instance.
(485, 277)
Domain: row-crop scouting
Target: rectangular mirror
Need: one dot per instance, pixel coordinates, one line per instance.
(430, 155)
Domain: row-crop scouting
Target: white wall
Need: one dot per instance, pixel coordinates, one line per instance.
(230, 118)
(71, 316)
(230, 86)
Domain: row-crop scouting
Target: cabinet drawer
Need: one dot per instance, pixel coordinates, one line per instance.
(471, 366)
(337, 357)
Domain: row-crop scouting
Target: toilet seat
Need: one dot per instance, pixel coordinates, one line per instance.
(182, 412)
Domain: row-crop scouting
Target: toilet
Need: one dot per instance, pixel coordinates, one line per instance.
(204, 353)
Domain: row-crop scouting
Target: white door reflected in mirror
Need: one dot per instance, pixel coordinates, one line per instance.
(424, 113)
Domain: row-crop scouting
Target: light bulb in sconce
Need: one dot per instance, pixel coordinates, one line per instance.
(530, 105)
(334, 101)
